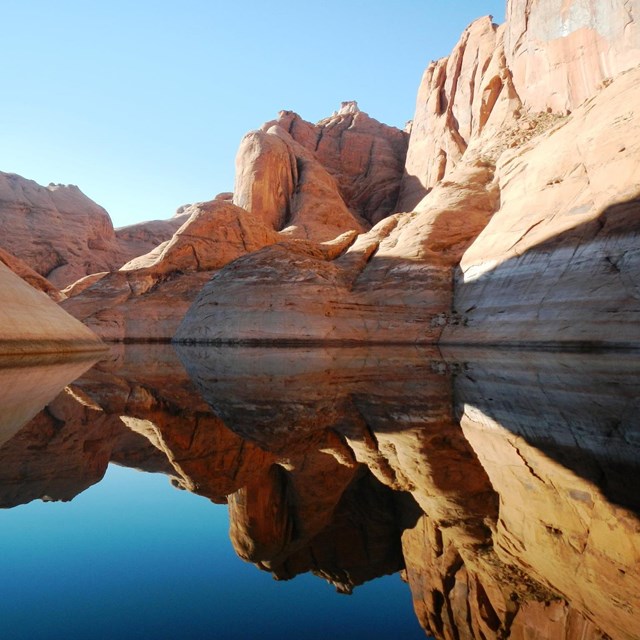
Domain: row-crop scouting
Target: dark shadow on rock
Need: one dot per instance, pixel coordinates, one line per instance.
(579, 288)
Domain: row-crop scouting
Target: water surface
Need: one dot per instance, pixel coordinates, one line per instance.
(392, 492)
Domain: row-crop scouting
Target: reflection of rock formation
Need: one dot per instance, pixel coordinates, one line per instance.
(520, 520)
(558, 436)
(392, 410)
(27, 384)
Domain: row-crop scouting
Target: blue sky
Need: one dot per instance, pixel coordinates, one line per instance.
(143, 104)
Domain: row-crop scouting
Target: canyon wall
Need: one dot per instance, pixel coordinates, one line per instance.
(521, 223)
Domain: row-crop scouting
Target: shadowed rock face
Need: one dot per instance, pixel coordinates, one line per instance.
(501, 482)
(558, 262)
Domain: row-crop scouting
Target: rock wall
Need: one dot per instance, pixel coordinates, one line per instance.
(391, 285)
(63, 235)
(462, 97)
(561, 52)
(31, 322)
(558, 262)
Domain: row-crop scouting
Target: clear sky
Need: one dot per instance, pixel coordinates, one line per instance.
(143, 103)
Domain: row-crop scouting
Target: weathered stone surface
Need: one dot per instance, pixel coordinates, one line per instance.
(462, 97)
(562, 51)
(558, 263)
(393, 284)
(148, 296)
(32, 323)
(32, 278)
(56, 230)
(141, 238)
(286, 187)
(365, 157)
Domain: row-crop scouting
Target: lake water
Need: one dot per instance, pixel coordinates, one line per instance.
(391, 492)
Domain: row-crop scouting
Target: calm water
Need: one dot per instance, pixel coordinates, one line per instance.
(392, 493)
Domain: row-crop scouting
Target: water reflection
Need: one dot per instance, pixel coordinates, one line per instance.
(502, 485)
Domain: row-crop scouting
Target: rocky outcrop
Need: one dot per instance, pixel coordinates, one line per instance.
(561, 52)
(139, 239)
(318, 181)
(538, 209)
(558, 263)
(32, 323)
(465, 96)
(284, 185)
(63, 235)
(56, 230)
(365, 157)
(391, 285)
(147, 297)
(32, 278)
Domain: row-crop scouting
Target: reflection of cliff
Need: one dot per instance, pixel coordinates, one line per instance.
(558, 437)
(502, 483)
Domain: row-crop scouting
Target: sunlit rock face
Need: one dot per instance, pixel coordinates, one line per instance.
(31, 277)
(316, 180)
(561, 51)
(56, 230)
(392, 284)
(147, 297)
(32, 323)
(466, 96)
(533, 209)
(63, 235)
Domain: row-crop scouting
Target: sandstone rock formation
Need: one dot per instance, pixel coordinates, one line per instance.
(317, 181)
(31, 322)
(558, 262)
(560, 52)
(138, 239)
(392, 285)
(37, 281)
(146, 298)
(535, 205)
(365, 157)
(56, 230)
(465, 96)
(63, 235)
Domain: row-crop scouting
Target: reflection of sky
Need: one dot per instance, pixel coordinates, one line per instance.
(132, 557)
